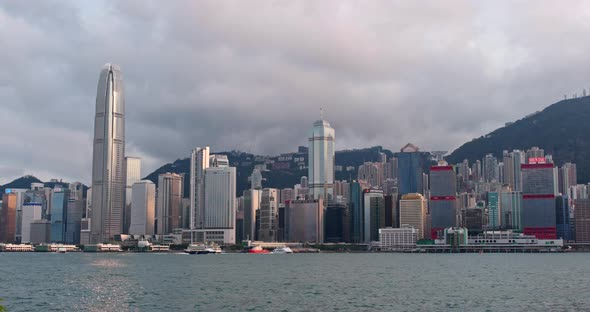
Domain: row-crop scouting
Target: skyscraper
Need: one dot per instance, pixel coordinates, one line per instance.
(321, 160)
(219, 213)
(409, 171)
(582, 220)
(443, 198)
(169, 206)
(108, 175)
(412, 212)
(199, 162)
(251, 207)
(567, 177)
(143, 208)
(304, 221)
(269, 215)
(133, 174)
(538, 200)
(8, 218)
(373, 214)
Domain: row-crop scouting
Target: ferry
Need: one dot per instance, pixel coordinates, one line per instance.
(258, 250)
(61, 250)
(16, 247)
(102, 248)
(282, 250)
(202, 249)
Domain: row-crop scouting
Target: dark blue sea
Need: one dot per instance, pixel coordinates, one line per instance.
(300, 282)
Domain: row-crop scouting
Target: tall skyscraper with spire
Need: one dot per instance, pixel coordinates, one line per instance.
(321, 160)
(108, 162)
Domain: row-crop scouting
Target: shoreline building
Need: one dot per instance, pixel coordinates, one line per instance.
(108, 175)
(443, 198)
(143, 208)
(8, 218)
(409, 170)
(412, 212)
(582, 220)
(219, 218)
(538, 200)
(269, 215)
(132, 175)
(321, 160)
(31, 213)
(251, 209)
(373, 214)
(199, 163)
(169, 199)
(304, 221)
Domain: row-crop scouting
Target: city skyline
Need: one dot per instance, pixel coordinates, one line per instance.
(188, 79)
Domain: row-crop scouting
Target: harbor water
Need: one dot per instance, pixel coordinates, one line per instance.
(298, 282)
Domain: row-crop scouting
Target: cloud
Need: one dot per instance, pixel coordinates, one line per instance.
(253, 76)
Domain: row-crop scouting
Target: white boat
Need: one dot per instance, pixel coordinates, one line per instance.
(282, 250)
(202, 249)
(61, 250)
(213, 249)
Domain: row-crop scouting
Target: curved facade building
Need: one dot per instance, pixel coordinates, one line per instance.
(321, 160)
(108, 163)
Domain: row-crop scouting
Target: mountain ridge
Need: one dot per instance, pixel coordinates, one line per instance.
(561, 129)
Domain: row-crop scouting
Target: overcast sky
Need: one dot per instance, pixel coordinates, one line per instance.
(252, 75)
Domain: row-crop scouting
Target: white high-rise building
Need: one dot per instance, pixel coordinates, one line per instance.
(219, 214)
(31, 212)
(321, 160)
(133, 174)
(143, 208)
(108, 162)
(199, 162)
(133, 169)
(220, 189)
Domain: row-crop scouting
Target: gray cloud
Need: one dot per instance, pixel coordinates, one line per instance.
(253, 76)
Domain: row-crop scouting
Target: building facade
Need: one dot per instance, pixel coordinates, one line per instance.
(108, 162)
(443, 198)
(582, 221)
(169, 203)
(409, 170)
(199, 163)
(538, 200)
(269, 215)
(373, 214)
(412, 212)
(321, 160)
(304, 221)
(143, 208)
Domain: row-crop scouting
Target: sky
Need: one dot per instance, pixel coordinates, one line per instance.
(253, 75)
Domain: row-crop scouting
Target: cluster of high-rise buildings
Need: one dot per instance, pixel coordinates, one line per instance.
(521, 191)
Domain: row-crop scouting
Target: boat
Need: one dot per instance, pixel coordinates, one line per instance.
(282, 250)
(258, 250)
(213, 250)
(61, 250)
(202, 249)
